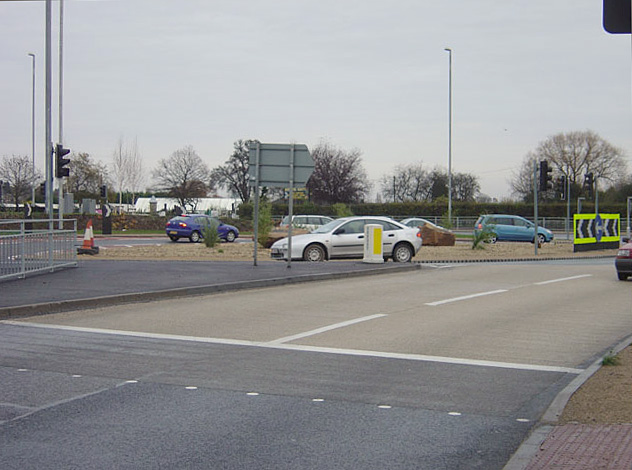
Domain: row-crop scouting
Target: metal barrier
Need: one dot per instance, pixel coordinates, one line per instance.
(35, 246)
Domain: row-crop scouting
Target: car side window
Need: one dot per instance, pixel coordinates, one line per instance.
(504, 221)
(521, 223)
(355, 226)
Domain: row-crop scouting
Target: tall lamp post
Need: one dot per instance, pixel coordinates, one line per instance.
(449, 51)
(33, 129)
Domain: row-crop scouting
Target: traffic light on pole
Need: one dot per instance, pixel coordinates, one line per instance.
(588, 183)
(545, 176)
(560, 187)
(104, 191)
(61, 162)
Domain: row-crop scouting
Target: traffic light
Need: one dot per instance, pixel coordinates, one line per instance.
(545, 176)
(560, 187)
(61, 162)
(104, 191)
(588, 183)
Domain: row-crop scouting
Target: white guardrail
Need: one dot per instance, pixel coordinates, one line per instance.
(34, 246)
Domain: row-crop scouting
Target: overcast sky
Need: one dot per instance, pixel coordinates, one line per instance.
(363, 74)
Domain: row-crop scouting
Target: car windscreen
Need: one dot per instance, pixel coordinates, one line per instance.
(327, 227)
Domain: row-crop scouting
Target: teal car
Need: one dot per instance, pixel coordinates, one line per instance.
(512, 228)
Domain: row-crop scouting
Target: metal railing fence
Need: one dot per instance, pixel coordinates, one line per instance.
(34, 246)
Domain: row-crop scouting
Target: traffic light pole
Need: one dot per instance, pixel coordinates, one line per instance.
(535, 205)
(60, 181)
(48, 126)
(568, 207)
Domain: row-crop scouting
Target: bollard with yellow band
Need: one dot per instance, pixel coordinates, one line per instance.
(596, 231)
(373, 250)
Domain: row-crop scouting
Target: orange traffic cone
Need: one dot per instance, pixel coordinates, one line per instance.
(88, 247)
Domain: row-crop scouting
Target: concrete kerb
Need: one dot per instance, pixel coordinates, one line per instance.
(530, 447)
(45, 308)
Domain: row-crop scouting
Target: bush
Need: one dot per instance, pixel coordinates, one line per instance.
(211, 237)
(266, 223)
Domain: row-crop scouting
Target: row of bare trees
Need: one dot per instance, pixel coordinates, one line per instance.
(339, 175)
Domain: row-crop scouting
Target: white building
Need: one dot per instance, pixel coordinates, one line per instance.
(217, 205)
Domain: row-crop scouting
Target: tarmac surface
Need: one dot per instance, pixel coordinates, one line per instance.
(101, 283)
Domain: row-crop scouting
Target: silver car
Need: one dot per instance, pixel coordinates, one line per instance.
(344, 238)
(307, 222)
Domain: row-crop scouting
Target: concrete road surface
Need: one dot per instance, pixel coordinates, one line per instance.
(443, 368)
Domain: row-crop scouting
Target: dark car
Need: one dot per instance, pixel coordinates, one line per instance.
(193, 227)
(623, 262)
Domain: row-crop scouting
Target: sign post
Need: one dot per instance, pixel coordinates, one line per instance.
(278, 166)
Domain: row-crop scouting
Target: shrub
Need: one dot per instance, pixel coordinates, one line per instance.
(211, 237)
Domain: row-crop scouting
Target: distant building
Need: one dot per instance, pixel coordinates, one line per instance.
(216, 205)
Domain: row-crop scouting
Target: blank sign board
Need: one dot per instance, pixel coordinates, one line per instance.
(275, 163)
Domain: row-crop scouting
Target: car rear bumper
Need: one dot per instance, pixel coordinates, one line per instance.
(623, 265)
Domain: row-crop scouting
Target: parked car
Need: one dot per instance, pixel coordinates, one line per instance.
(307, 222)
(420, 222)
(623, 261)
(512, 228)
(192, 226)
(344, 238)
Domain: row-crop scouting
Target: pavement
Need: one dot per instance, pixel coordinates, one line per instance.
(100, 283)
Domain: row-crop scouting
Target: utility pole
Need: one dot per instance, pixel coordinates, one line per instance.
(48, 158)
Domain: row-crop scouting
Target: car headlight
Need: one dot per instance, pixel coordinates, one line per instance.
(623, 253)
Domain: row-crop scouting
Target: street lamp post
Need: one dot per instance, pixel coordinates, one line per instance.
(449, 51)
(33, 129)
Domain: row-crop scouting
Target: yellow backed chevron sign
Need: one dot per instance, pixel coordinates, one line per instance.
(596, 231)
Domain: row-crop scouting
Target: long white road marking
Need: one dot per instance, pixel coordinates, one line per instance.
(562, 279)
(499, 291)
(314, 349)
(465, 297)
(335, 326)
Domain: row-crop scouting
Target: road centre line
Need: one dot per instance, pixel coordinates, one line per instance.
(465, 297)
(324, 329)
(499, 291)
(314, 349)
(562, 279)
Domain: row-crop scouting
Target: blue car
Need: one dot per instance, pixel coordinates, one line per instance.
(193, 227)
(512, 228)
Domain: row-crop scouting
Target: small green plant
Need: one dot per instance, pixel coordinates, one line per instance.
(211, 237)
(480, 238)
(610, 359)
(446, 222)
(220, 250)
(341, 210)
(266, 224)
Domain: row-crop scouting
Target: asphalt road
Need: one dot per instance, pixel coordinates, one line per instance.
(437, 368)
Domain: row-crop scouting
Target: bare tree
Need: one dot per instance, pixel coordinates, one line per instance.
(183, 176)
(86, 175)
(339, 175)
(408, 183)
(17, 171)
(574, 154)
(233, 175)
(465, 187)
(412, 183)
(127, 167)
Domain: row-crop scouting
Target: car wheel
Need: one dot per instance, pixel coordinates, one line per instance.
(402, 253)
(173, 239)
(230, 236)
(314, 253)
(493, 238)
(622, 276)
(541, 239)
(195, 237)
